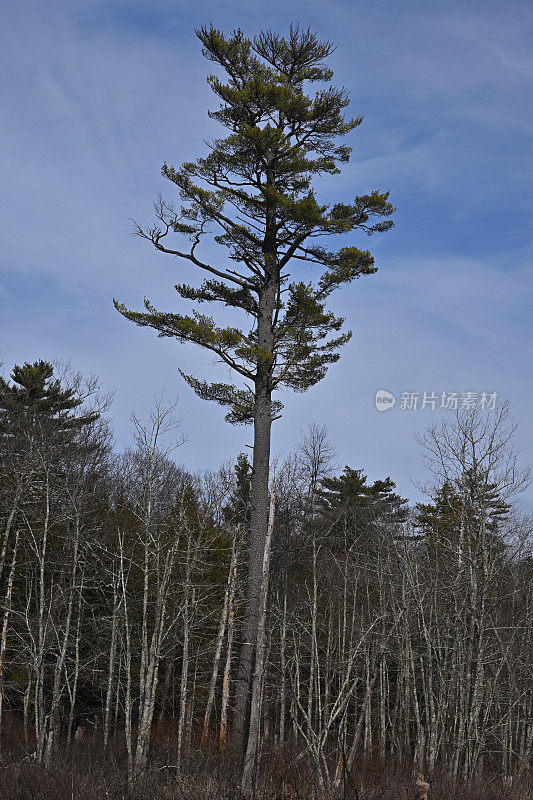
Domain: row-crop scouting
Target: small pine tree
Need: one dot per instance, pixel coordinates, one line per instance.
(350, 506)
(470, 505)
(237, 509)
(35, 396)
(36, 407)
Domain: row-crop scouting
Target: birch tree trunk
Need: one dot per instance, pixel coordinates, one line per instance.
(5, 624)
(224, 704)
(117, 603)
(251, 757)
(220, 639)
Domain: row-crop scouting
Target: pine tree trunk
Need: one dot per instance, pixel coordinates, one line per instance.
(258, 520)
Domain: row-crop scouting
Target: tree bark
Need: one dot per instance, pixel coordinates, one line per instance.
(224, 706)
(250, 762)
(7, 612)
(219, 642)
(258, 518)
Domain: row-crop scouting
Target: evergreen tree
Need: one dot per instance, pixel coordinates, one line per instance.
(35, 398)
(237, 509)
(350, 506)
(472, 504)
(37, 415)
(253, 193)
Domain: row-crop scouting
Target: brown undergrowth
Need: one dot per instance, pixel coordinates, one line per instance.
(84, 772)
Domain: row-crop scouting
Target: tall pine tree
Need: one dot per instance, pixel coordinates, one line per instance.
(253, 194)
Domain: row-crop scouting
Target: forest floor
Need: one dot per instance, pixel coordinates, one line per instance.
(83, 772)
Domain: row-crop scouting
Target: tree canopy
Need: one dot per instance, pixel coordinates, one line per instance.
(253, 194)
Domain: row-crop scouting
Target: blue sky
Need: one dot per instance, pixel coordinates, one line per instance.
(97, 95)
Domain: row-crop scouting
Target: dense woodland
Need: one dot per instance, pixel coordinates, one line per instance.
(395, 634)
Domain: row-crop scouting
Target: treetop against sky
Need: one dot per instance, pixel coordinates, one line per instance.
(100, 95)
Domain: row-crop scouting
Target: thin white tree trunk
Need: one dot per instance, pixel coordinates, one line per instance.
(224, 705)
(219, 642)
(117, 602)
(283, 676)
(184, 661)
(5, 623)
(251, 757)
